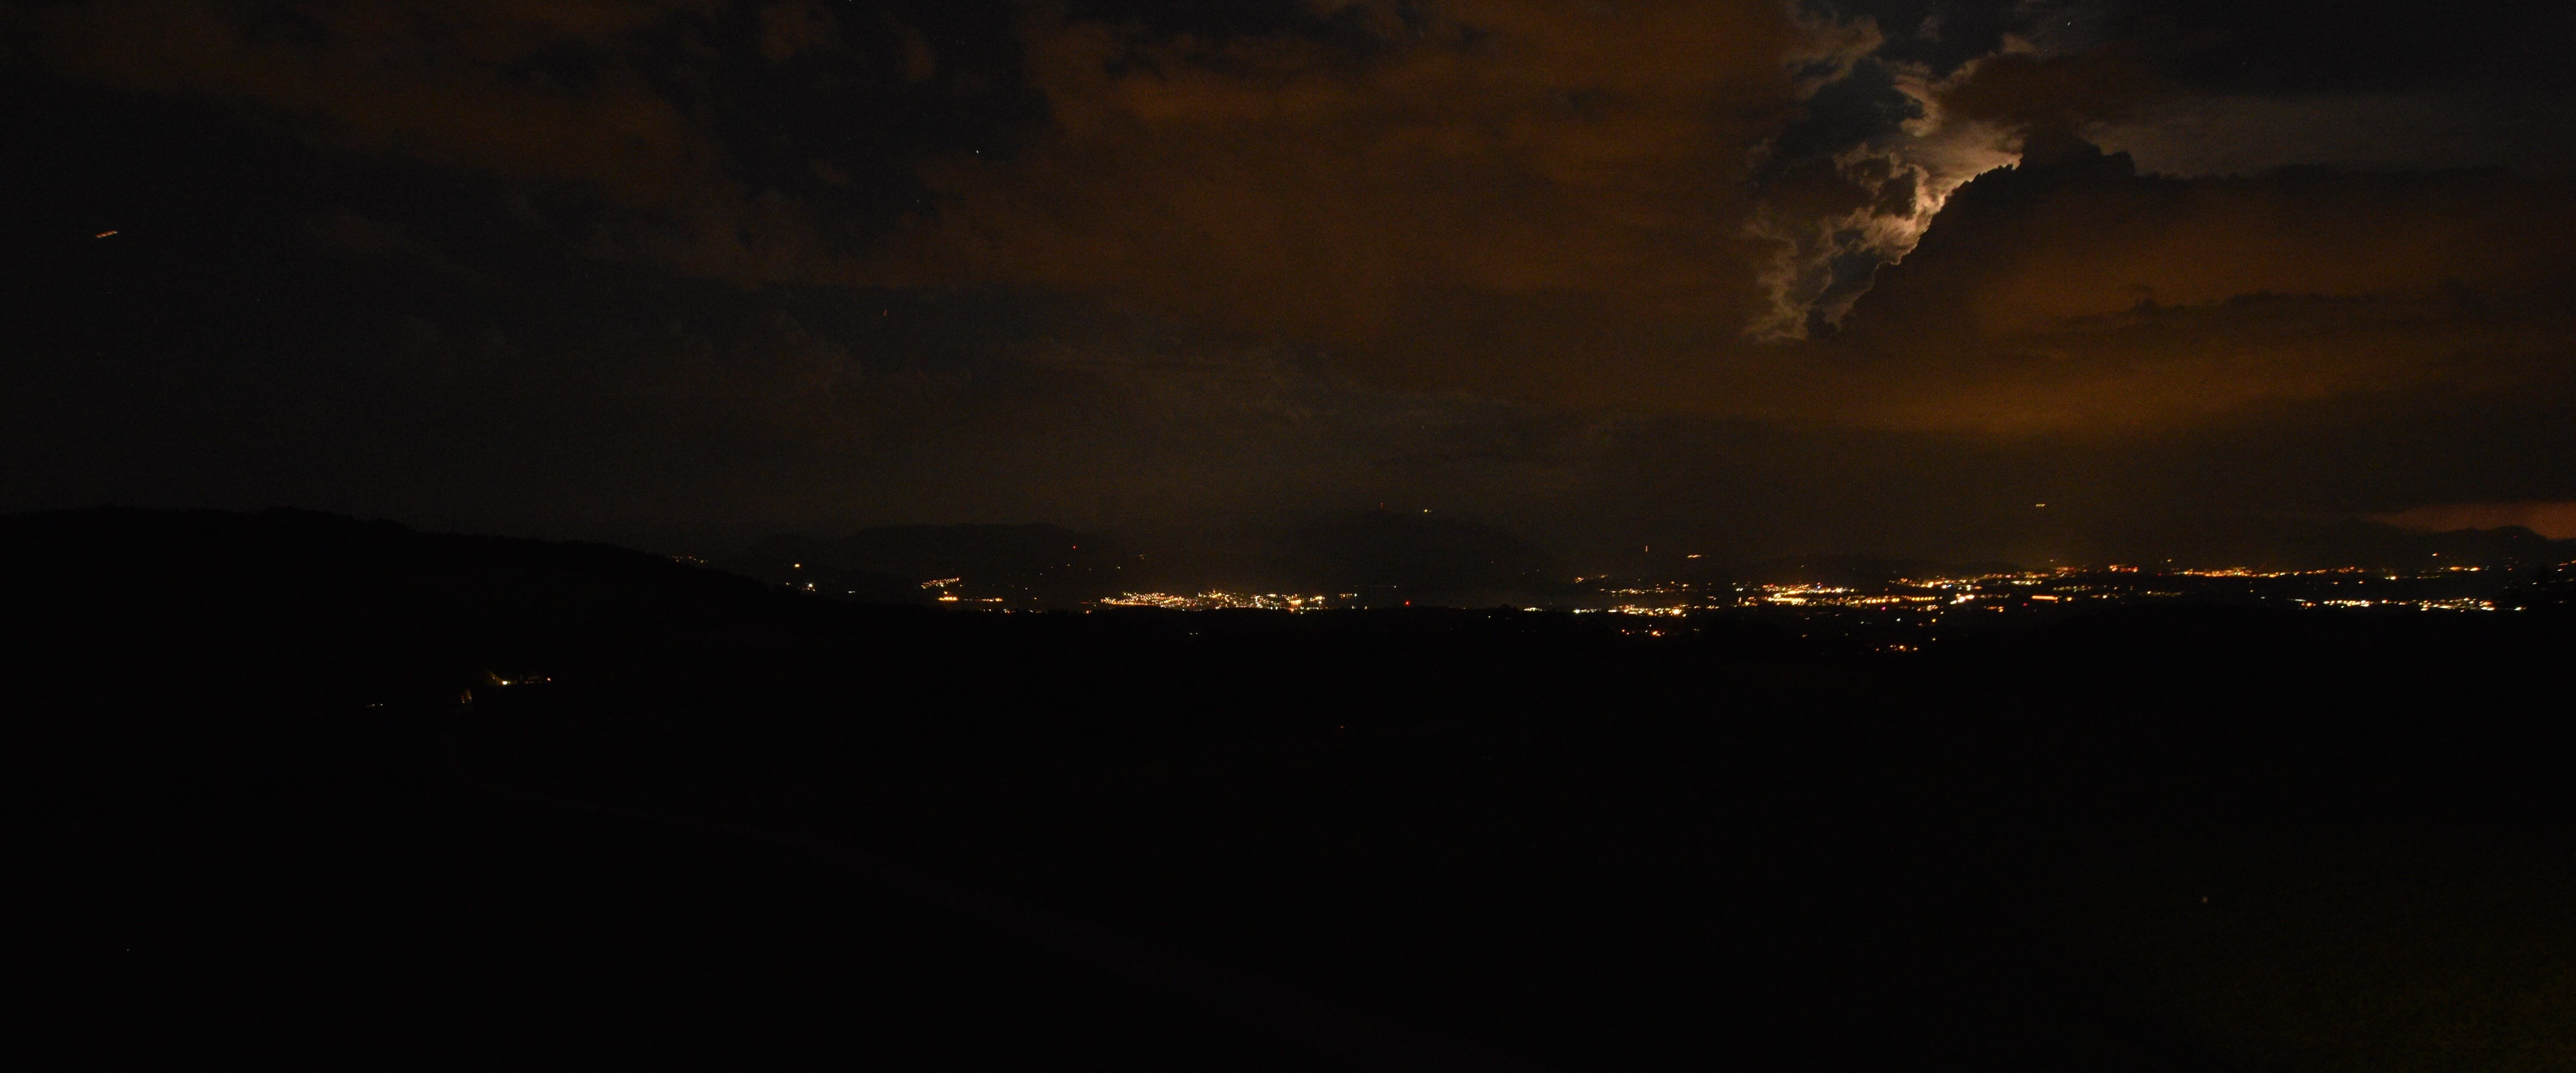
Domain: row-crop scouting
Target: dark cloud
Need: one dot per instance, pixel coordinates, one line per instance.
(2209, 88)
(2084, 235)
(749, 141)
(2312, 46)
(1523, 176)
(1939, 36)
(1941, 92)
(1746, 276)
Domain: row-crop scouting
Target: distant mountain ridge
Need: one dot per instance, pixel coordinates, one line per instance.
(1039, 564)
(1391, 557)
(2311, 545)
(1861, 569)
(1374, 556)
(2279, 546)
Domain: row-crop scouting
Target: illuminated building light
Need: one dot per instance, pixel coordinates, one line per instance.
(1216, 600)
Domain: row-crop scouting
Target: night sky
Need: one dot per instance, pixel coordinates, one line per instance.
(1748, 277)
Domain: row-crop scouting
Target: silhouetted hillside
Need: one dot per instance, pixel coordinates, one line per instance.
(294, 605)
(2152, 838)
(2552, 587)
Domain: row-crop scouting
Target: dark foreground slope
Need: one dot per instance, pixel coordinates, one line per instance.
(708, 815)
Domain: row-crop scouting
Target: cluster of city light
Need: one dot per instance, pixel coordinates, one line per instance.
(2058, 586)
(2459, 604)
(1796, 595)
(946, 597)
(1831, 596)
(2072, 585)
(1216, 600)
(2240, 571)
(1958, 582)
